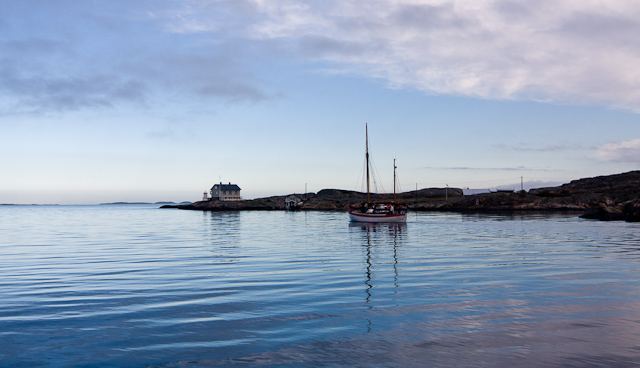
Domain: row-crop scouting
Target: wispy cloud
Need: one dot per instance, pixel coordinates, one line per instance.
(102, 58)
(39, 93)
(571, 51)
(568, 52)
(624, 151)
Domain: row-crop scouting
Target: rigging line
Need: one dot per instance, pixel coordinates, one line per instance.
(361, 181)
(375, 176)
(371, 165)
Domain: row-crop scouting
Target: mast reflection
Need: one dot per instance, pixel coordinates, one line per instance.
(378, 235)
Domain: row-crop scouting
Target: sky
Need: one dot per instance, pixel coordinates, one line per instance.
(106, 101)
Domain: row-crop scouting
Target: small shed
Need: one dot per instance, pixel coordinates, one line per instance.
(292, 203)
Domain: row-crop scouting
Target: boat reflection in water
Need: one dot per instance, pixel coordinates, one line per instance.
(377, 240)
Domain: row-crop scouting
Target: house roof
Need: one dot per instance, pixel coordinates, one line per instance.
(227, 187)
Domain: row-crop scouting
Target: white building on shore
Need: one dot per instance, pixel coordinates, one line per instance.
(225, 192)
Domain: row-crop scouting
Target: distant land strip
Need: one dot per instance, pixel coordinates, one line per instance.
(608, 198)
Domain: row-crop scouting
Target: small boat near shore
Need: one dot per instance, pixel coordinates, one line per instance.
(377, 215)
(377, 212)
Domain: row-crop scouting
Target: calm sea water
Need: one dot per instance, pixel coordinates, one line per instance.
(137, 286)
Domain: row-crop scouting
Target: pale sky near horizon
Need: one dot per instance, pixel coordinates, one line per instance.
(105, 101)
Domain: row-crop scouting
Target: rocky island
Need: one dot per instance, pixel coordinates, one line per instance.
(613, 197)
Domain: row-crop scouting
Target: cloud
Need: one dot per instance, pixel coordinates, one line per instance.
(220, 74)
(568, 52)
(100, 55)
(624, 151)
(102, 58)
(41, 74)
(38, 93)
(321, 46)
(229, 17)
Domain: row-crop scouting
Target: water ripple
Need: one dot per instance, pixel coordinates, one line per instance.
(136, 286)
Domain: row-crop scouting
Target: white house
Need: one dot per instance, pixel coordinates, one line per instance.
(225, 192)
(292, 202)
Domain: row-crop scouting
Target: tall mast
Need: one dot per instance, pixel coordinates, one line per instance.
(366, 129)
(394, 180)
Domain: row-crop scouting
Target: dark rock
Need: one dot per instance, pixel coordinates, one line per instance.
(626, 211)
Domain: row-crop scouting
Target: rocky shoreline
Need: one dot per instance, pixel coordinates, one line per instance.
(613, 197)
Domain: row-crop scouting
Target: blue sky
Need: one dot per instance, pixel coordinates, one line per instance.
(104, 101)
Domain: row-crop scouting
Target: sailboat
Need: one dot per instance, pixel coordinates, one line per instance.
(377, 212)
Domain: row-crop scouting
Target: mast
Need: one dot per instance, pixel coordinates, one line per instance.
(366, 129)
(394, 180)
